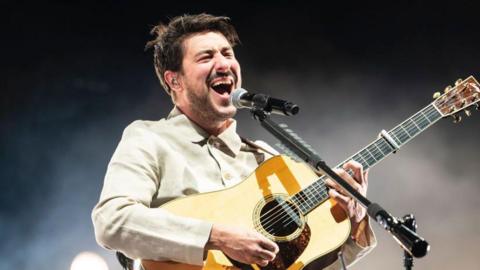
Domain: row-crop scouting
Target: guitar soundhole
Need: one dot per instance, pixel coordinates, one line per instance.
(281, 218)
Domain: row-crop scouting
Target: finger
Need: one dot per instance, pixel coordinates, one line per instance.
(265, 254)
(349, 179)
(365, 176)
(261, 262)
(330, 183)
(268, 245)
(357, 169)
(339, 198)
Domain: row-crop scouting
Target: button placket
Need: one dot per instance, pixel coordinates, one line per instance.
(213, 146)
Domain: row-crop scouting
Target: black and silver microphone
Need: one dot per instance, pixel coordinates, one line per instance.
(242, 99)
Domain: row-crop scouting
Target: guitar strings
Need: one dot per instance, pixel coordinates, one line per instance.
(267, 225)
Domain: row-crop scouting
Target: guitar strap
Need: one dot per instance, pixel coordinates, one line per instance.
(256, 146)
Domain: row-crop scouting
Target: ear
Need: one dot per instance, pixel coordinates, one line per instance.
(172, 79)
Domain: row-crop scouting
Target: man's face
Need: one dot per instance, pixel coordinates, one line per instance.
(209, 74)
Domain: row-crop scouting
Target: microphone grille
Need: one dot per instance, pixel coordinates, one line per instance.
(235, 97)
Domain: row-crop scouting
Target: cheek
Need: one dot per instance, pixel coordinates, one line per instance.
(237, 70)
(199, 73)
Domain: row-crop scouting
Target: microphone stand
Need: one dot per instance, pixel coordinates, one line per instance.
(409, 221)
(403, 231)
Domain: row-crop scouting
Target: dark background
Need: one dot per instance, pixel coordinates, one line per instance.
(74, 75)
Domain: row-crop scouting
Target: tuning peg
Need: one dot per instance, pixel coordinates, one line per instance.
(477, 106)
(468, 113)
(436, 95)
(456, 118)
(457, 82)
(447, 89)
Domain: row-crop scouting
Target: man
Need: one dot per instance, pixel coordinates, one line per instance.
(195, 149)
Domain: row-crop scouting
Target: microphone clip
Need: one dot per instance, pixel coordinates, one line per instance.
(255, 102)
(268, 105)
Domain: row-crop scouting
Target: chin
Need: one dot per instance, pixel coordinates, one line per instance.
(227, 112)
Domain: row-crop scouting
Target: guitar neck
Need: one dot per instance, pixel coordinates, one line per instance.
(312, 196)
(401, 134)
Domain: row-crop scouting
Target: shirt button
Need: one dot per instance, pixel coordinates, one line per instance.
(227, 176)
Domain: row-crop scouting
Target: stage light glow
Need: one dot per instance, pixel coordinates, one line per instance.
(88, 261)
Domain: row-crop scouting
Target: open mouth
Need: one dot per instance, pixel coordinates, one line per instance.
(223, 86)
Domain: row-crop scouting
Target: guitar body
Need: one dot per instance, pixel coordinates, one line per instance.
(261, 202)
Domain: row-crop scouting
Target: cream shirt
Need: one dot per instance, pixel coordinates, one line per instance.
(157, 161)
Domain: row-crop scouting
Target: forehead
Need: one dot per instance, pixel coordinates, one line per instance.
(205, 41)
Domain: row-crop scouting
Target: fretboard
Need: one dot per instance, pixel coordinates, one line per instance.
(313, 195)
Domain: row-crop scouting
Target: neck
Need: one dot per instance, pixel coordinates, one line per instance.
(214, 129)
(211, 126)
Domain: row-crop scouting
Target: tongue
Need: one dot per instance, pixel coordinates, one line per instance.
(221, 89)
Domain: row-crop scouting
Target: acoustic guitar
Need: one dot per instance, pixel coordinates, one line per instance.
(287, 202)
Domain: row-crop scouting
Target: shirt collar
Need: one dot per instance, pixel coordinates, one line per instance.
(185, 126)
(228, 137)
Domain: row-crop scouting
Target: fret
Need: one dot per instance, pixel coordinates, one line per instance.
(296, 201)
(397, 132)
(423, 113)
(370, 158)
(363, 154)
(406, 130)
(434, 114)
(366, 163)
(411, 128)
(300, 201)
(394, 136)
(310, 195)
(404, 136)
(308, 202)
(378, 147)
(415, 123)
(385, 144)
(368, 151)
(421, 120)
(360, 160)
(377, 154)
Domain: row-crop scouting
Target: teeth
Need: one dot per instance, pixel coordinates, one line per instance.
(219, 83)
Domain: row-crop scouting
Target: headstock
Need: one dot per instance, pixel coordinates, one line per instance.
(464, 94)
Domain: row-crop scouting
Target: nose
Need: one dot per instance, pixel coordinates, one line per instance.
(222, 64)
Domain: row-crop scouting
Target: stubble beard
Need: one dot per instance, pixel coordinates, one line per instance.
(204, 108)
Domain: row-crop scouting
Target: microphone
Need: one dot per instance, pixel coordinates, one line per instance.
(242, 99)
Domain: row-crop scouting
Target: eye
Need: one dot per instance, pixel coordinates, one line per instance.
(204, 58)
(228, 54)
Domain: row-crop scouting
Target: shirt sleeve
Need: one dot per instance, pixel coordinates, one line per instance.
(123, 219)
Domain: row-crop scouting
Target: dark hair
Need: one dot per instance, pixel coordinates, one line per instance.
(167, 46)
